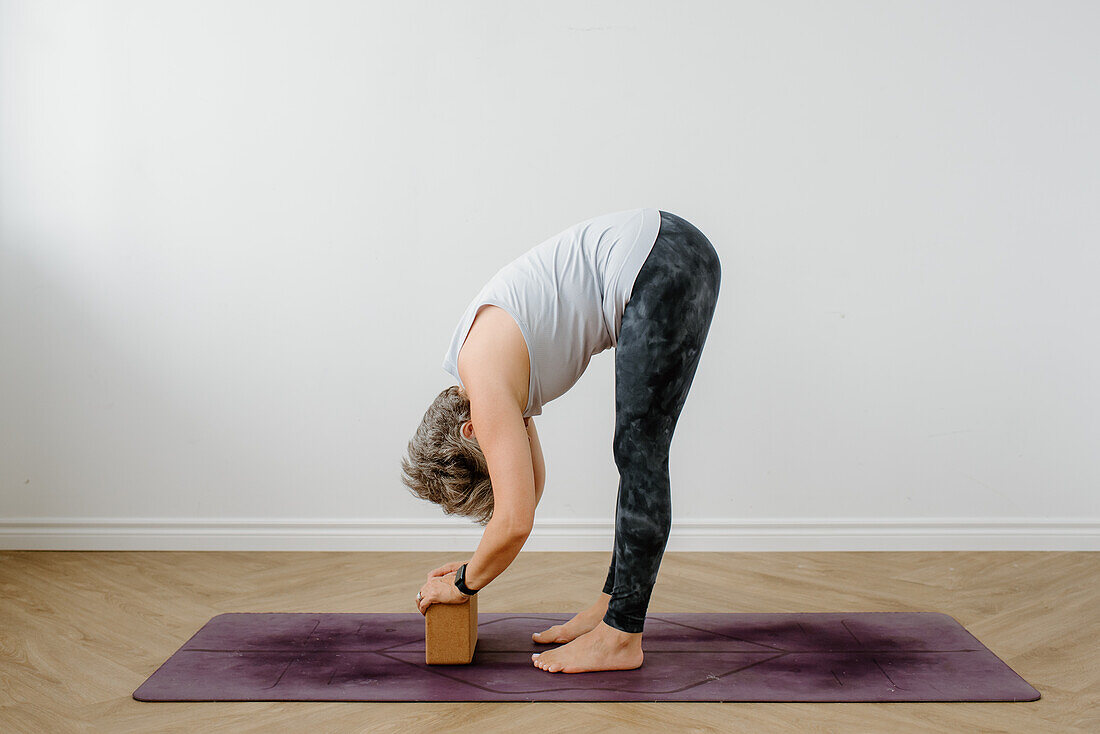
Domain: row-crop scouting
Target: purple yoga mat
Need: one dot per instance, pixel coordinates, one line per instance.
(858, 656)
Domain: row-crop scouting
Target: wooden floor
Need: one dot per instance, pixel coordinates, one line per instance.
(80, 631)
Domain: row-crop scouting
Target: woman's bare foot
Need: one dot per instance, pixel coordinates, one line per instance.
(601, 648)
(581, 622)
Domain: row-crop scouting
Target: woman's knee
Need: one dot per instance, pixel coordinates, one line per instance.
(641, 448)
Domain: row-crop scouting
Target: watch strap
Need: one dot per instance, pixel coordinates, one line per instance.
(460, 582)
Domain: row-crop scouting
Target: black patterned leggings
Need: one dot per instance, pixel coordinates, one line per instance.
(665, 323)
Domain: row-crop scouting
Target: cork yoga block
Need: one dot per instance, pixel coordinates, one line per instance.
(450, 633)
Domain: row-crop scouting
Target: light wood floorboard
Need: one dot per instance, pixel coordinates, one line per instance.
(79, 631)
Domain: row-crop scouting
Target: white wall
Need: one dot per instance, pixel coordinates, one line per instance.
(235, 239)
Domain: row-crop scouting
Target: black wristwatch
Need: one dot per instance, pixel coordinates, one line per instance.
(460, 581)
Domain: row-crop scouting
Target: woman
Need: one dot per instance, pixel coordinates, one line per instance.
(643, 281)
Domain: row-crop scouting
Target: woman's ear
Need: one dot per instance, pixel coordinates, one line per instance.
(468, 429)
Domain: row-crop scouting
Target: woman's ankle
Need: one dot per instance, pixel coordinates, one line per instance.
(602, 602)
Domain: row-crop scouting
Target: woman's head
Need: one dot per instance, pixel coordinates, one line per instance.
(444, 465)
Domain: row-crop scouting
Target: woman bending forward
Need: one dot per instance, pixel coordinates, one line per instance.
(643, 281)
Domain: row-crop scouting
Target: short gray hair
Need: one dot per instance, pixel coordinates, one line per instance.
(445, 467)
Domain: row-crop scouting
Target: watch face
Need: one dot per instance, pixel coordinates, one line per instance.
(460, 581)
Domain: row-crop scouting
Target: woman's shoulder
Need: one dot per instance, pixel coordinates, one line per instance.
(495, 353)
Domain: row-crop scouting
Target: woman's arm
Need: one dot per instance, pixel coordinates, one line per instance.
(538, 466)
(500, 433)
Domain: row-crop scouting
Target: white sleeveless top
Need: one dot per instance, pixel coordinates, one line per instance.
(567, 295)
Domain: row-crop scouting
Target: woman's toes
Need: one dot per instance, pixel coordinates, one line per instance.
(554, 634)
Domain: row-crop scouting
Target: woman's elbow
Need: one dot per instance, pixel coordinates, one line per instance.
(517, 527)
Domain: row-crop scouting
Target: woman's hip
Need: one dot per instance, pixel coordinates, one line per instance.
(682, 265)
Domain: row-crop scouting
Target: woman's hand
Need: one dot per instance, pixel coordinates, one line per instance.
(439, 590)
(445, 569)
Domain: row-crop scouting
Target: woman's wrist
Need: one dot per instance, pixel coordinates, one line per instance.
(462, 582)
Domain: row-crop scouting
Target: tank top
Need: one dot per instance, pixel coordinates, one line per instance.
(567, 295)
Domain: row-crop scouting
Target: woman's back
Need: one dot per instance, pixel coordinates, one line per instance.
(567, 296)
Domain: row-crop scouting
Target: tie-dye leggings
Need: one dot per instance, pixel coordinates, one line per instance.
(665, 323)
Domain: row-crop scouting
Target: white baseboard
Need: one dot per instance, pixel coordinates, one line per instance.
(549, 535)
